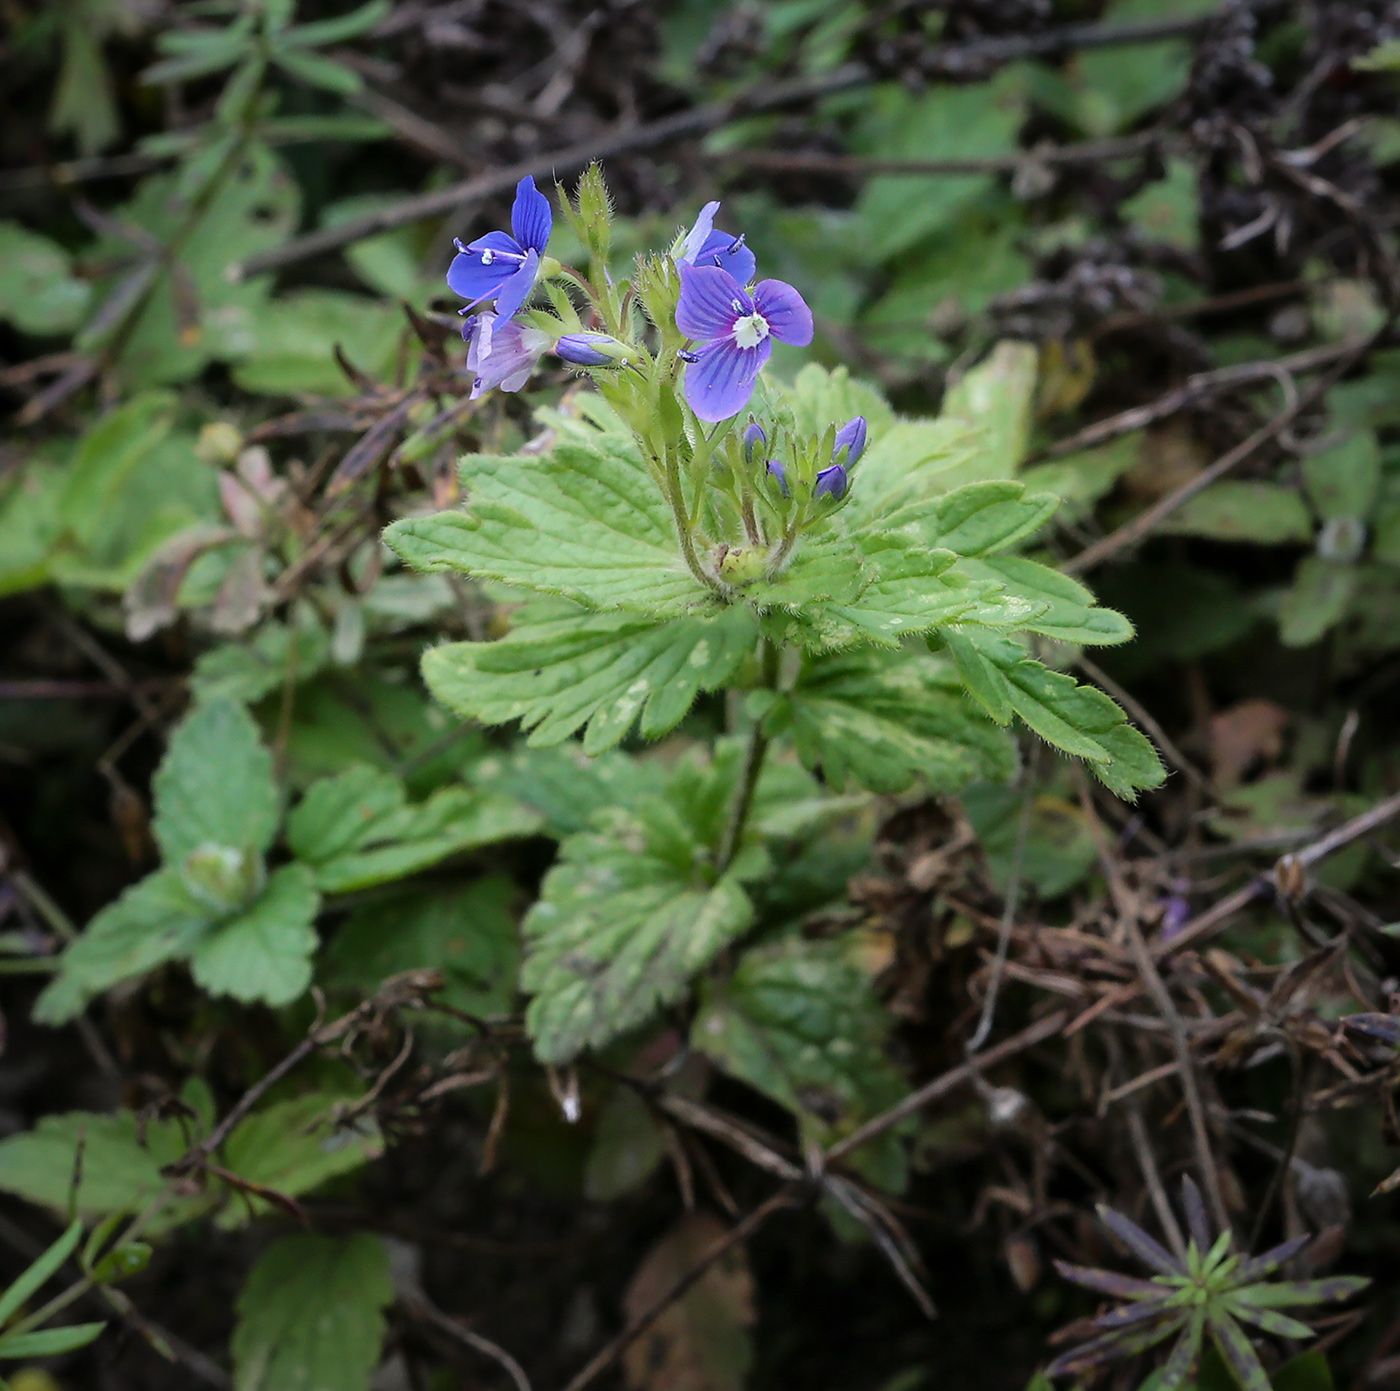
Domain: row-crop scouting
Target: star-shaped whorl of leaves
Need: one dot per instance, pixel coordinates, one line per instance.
(1214, 1290)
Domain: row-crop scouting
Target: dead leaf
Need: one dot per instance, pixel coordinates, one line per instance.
(702, 1341)
(1244, 734)
(1167, 459)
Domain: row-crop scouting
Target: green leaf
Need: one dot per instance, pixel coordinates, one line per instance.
(293, 1147)
(559, 669)
(1078, 719)
(119, 1172)
(1344, 481)
(33, 1279)
(1069, 612)
(911, 461)
(1318, 600)
(337, 30)
(884, 720)
(49, 1342)
(247, 671)
(632, 911)
(979, 519)
(908, 589)
(588, 523)
(1082, 478)
(290, 342)
(797, 1020)
(997, 399)
(1168, 210)
(819, 396)
(1262, 513)
(944, 122)
(357, 828)
(317, 71)
(264, 953)
(311, 1315)
(628, 1144)
(1237, 1353)
(1306, 1372)
(39, 293)
(466, 931)
(156, 920)
(196, 315)
(215, 784)
(1060, 848)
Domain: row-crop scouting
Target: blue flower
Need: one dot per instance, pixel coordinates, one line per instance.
(583, 349)
(754, 438)
(503, 267)
(831, 482)
(502, 352)
(703, 245)
(777, 471)
(737, 330)
(851, 438)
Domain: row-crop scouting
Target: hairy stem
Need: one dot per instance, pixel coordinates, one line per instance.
(742, 804)
(684, 534)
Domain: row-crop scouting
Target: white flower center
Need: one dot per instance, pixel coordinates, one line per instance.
(750, 331)
(487, 256)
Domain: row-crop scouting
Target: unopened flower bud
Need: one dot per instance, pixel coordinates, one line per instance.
(754, 438)
(831, 482)
(589, 349)
(851, 438)
(776, 470)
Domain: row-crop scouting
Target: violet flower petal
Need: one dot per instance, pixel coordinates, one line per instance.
(776, 469)
(728, 253)
(754, 438)
(516, 290)
(477, 276)
(579, 349)
(851, 438)
(531, 219)
(720, 381)
(698, 235)
(831, 482)
(707, 307)
(789, 319)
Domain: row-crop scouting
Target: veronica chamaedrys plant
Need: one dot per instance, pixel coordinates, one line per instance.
(698, 527)
(1213, 1290)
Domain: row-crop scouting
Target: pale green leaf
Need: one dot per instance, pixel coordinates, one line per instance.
(628, 1144)
(979, 519)
(797, 1020)
(632, 911)
(1168, 210)
(33, 1278)
(1343, 481)
(156, 920)
(1070, 614)
(588, 522)
(265, 952)
(1243, 511)
(357, 828)
(39, 293)
(120, 1173)
(294, 1146)
(911, 461)
(1318, 600)
(48, 1342)
(560, 669)
(311, 1315)
(1059, 849)
(885, 720)
(997, 399)
(1078, 719)
(466, 931)
(215, 785)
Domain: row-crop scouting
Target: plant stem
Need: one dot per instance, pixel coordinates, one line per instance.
(684, 534)
(742, 804)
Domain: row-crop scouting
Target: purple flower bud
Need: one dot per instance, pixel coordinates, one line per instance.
(582, 349)
(776, 470)
(754, 439)
(831, 482)
(851, 438)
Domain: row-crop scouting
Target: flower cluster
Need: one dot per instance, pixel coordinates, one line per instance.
(691, 331)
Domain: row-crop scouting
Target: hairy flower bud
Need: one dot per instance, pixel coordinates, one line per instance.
(851, 438)
(832, 482)
(777, 471)
(590, 349)
(754, 438)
